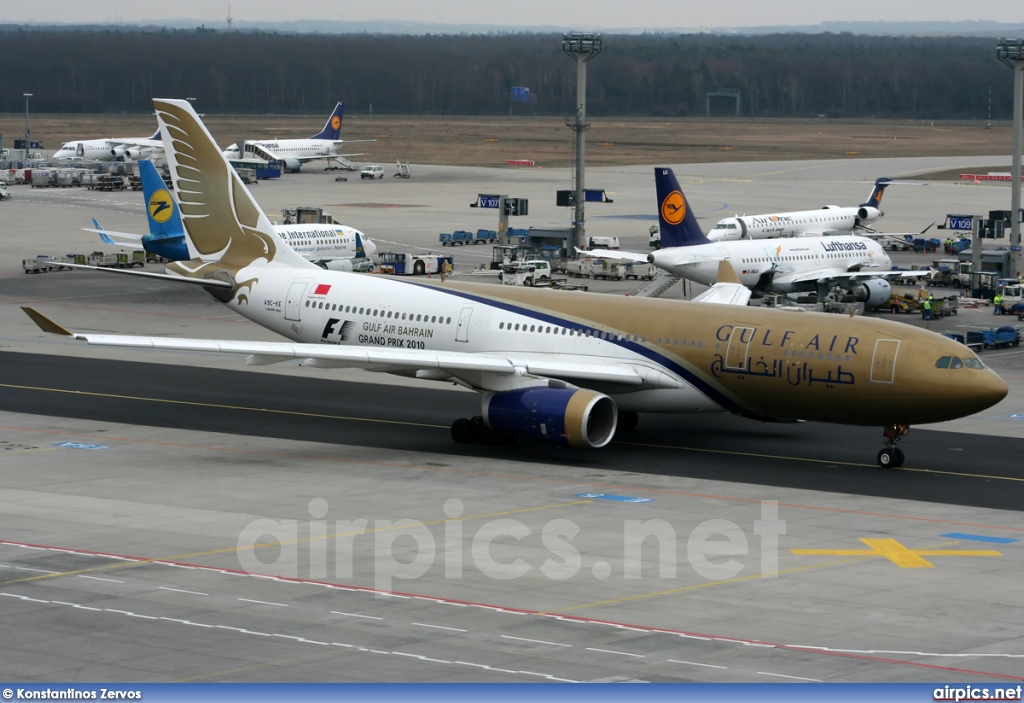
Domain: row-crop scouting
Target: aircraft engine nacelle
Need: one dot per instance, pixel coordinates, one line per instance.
(336, 265)
(292, 165)
(867, 214)
(118, 152)
(874, 292)
(133, 153)
(564, 417)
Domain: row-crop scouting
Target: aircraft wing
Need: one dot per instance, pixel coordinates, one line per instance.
(435, 364)
(727, 289)
(146, 143)
(613, 254)
(836, 276)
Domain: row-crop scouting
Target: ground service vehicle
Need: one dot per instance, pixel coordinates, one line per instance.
(401, 263)
(372, 171)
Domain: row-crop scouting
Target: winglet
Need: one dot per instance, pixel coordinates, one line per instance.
(45, 323)
(726, 273)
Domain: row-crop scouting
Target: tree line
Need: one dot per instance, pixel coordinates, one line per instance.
(783, 75)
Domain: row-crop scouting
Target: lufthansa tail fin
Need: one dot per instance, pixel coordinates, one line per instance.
(332, 130)
(679, 226)
(875, 198)
(223, 223)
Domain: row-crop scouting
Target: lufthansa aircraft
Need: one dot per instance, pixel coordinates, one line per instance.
(295, 152)
(830, 218)
(329, 246)
(793, 264)
(563, 368)
(129, 149)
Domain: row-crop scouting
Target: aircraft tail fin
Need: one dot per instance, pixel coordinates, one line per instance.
(103, 235)
(222, 221)
(875, 198)
(679, 226)
(155, 137)
(161, 209)
(332, 130)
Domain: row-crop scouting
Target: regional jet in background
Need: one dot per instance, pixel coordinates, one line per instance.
(129, 149)
(329, 246)
(562, 368)
(830, 218)
(854, 263)
(295, 152)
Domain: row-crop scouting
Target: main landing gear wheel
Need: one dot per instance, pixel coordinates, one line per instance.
(892, 456)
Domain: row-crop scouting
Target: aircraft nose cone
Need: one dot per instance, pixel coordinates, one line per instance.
(991, 390)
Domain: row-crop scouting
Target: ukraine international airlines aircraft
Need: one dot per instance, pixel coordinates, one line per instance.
(802, 224)
(559, 367)
(796, 264)
(295, 152)
(334, 247)
(130, 149)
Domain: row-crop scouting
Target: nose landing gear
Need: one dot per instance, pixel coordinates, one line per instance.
(892, 456)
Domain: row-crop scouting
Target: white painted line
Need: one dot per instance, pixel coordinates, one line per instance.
(611, 651)
(784, 676)
(98, 578)
(356, 615)
(440, 627)
(710, 666)
(263, 602)
(182, 590)
(524, 639)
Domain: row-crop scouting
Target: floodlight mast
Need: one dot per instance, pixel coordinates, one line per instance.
(581, 47)
(1011, 52)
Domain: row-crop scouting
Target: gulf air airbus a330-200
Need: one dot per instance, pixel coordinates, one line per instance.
(564, 368)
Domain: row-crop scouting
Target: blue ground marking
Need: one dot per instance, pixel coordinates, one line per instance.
(79, 445)
(980, 538)
(621, 499)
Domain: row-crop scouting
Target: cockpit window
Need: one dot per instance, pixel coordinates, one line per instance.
(943, 363)
(956, 363)
(973, 363)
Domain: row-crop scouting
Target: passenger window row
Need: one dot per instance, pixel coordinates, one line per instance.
(378, 312)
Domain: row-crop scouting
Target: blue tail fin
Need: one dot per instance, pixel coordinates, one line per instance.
(161, 208)
(332, 130)
(679, 226)
(155, 137)
(103, 235)
(875, 199)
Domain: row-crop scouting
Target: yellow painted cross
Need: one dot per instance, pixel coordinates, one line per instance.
(898, 554)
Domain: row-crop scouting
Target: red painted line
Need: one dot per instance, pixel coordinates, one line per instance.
(523, 611)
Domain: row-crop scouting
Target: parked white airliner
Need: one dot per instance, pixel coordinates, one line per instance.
(854, 263)
(555, 366)
(295, 152)
(831, 218)
(126, 149)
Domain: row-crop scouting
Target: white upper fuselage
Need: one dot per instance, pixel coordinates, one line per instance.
(299, 149)
(795, 260)
(324, 242)
(109, 149)
(792, 224)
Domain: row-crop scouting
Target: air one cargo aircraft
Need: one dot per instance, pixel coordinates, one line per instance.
(792, 264)
(830, 218)
(329, 246)
(562, 368)
(295, 152)
(129, 149)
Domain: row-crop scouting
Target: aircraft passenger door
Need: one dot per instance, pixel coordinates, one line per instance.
(462, 331)
(883, 361)
(739, 341)
(293, 304)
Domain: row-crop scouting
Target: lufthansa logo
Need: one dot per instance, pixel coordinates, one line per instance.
(673, 208)
(161, 206)
(335, 122)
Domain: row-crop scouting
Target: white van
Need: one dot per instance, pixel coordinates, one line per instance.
(603, 243)
(373, 171)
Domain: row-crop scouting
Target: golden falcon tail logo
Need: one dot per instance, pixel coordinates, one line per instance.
(335, 122)
(673, 208)
(161, 207)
